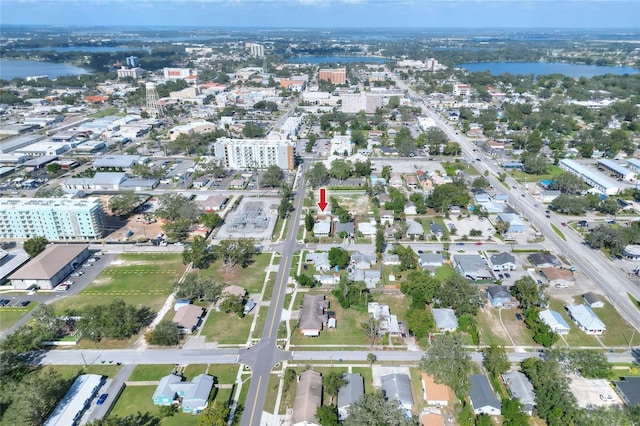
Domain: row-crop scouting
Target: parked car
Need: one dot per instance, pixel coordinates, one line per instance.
(518, 317)
(68, 282)
(508, 275)
(87, 265)
(4, 302)
(77, 274)
(500, 276)
(101, 398)
(248, 307)
(25, 303)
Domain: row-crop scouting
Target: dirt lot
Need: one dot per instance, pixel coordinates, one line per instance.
(588, 392)
(141, 232)
(358, 205)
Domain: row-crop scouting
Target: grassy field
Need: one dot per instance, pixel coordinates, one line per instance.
(251, 277)
(139, 279)
(522, 176)
(416, 389)
(398, 304)
(10, 316)
(143, 373)
(619, 332)
(272, 393)
(227, 328)
(226, 373)
(139, 399)
(347, 331)
(71, 371)
(486, 325)
(262, 317)
(193, 370)
(633, 300)
(576, 337)
(443, 272)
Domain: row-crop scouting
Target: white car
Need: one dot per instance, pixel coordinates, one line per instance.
(61, 287)
(178, 244)
(68, 282)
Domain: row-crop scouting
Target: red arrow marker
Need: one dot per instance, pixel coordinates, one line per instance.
(323, 199)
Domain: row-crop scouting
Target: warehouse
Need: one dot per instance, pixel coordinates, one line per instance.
(615, 169)
(600, 182)
(51, 267)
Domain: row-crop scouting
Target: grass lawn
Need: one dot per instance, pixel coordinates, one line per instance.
(262, 317)
(416, 389)
(618, 332)
(443, 272)
(193, 370)
(522, 176)
(398, 304)
(251, 277)
(223, 395)
(139, 399)
(486, 324)
(226, 373)
(143, 373)
(71, 371)
(517, 329)
(576, 337)
(558, 231)
(633, 300)
(272, 393)
(268, 291)
(227, 328)
(347, 331)
(367, 375)
(10, 316)
(140, 279)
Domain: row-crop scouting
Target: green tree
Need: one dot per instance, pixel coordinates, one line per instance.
(420, 287)
(371, 329)
(483, 420)
(194, 286)
(327, 415)
(374, 409)
(309, 221)
(535, 163)
(404, 142)
(35, 246)
(408, 259)
(380, 242)
(198, 253)
(166, 333)
(211, 220)
(252, 130)
(362, 168)
(457, 293)
(273, 177)
(53, 168)
(446, 195)
(371, 358)
(340, 169)
(174, 206)
(420, 322)
(318, 175)
(138, 419)
(568, 183)
(239, 251)
(449, 362)
(339, 257)
(528, 293)
(167, 411)
(590, 364)
(216, 414)
(386, 173)
(117, 320)
(480, 183)
(512, 414)
(306, 281)
(233, 304)
(495, 360)
(501, 226)
(332, 382)
(177, 230)
(124, 203)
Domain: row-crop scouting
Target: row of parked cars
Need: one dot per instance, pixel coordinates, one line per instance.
(66, 285)
(9, 303)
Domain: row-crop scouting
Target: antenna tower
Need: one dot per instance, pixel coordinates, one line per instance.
(153, 106)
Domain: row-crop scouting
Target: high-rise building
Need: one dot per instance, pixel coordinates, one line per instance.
(256, 50)
(133, 61)
(52, 218)
(254, 153)
(335, 76)
(130, 72)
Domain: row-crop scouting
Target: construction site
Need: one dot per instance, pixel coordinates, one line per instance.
(252, 218)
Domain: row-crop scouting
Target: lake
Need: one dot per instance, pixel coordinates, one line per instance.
(337, 59)
(90, 49)
(543, 68)
(10, 69)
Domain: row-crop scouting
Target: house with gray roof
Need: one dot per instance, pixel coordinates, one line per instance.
(414, 228)
(348, 229)
(445, 319)
(593, 300)
(554, 320)
(503, 262)
(371, 277)
(313, 314)
(586, 319)
(521, 388)
(500, 297)
(320, 260)
(349, 393)
(544, 260)
(113, 161)
(391, 259)
(430, 260)
(483, 399)
(363, 260)
(472, 266)
(308, 398)
(515, 223)
(629, 390)
(437, 230)
(322, 228)
(398, 387)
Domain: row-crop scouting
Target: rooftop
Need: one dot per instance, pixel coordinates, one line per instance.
(48, 263)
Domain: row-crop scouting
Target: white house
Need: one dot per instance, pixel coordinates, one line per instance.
(586, 320)
(445, 319)
(555, 321)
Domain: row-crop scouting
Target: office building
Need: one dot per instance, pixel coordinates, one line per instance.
(130, 72)
(53, 218)
(254, 153)
(335, 76)
(179, 73)
(133, 61)
(256, 50)
(353, 103)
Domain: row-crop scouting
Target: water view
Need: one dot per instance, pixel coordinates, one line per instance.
(543, 68)
(90, 49)
(10, 69)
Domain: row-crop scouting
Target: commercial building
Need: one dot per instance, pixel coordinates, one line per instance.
(52, 218)
(132, 61)
(472, 266)
(633, 164)
(198, 127)
(256, 50)
(78, 398)
(592, 178)
(335, 76)
(19, 142)
(51, 267)
(353, 103)
(461, 90)
(179, 73)
(10, 261)
(130, 72)
(254, 153)
(118, 161)
(615, 169)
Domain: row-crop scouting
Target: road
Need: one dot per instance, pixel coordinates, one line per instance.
(264, 355)
(592, 263)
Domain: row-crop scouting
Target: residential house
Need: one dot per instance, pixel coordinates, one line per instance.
(371, 277)
(386, 217)
(586, 319)
(593, 300)
(398, 387)
(363, 260)
(387, 323)
(214, 203)
(313, 314)
(307, 400)
(411, 181)
(434, 393)
(180, 303)
(194, 394)
(230, 290)
(410, 209)
(349, 393)
(188, 317)
(503, 262)
(558, 277)
(322, 228)
(549, 195)
(430, 261)
(483, 400)
(395, 181)
(515, 223)
(544, 260)
(520, 388)
(390, 259)
(347, 229)
(445, 319)
(629, 390)
(414, 229)
(327, 279)
(367, 229)
(554, 320)
(472, 266)
(437, 230)
(320, 261)
(454, 210)
(500, 297)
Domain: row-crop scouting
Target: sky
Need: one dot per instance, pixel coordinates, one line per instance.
(585, 14)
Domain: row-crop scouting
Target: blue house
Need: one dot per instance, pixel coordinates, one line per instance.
(499, 296)
(194, 395)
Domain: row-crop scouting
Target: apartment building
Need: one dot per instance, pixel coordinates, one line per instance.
(256, 50)
(353, 103)
(254, 153)
(335, 76)
(52, 218)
